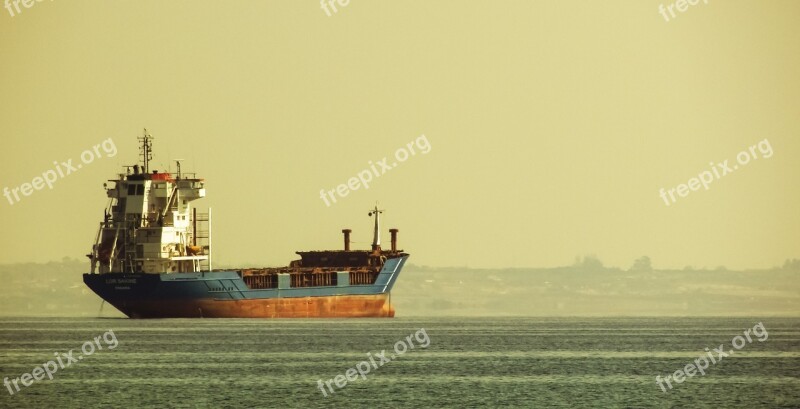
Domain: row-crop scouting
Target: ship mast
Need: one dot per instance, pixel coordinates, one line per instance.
(146, 151)
(376, 238)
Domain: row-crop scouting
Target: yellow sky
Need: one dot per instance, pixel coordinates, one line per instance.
(552, 125)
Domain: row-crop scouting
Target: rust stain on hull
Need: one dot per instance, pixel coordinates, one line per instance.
(341, 306)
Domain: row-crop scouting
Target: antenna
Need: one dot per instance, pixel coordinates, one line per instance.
(178, 162)
(376, 238)
(146, 151)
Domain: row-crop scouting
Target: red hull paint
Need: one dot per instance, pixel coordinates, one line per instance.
(340, 306)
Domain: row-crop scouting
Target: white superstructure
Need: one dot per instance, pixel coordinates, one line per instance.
(150, 225)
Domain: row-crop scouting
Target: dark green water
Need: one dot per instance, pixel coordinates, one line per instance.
(470, 362)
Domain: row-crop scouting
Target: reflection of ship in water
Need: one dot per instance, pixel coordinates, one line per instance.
(152, 258)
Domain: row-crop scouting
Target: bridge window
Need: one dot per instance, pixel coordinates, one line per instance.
(135, 190)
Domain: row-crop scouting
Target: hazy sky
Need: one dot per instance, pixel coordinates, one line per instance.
(552, 126)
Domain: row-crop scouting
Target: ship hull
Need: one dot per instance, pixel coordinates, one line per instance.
(339, 306)
(223, 294)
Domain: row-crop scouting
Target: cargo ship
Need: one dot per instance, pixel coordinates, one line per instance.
(152, 259)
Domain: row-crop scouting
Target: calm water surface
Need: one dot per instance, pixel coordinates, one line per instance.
(470, 362)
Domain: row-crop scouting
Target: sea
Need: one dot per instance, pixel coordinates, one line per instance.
(403, 362)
